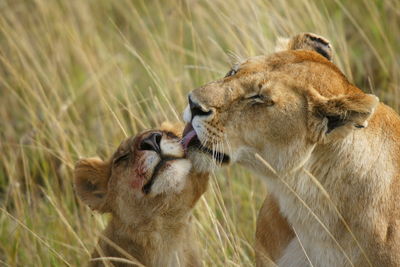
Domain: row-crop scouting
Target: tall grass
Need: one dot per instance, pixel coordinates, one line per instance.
(78, 76)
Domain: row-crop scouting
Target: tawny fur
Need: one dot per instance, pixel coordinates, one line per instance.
(313, 128)
(154, 230)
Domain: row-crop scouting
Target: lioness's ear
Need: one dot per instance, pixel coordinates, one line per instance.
(91, 177)
(306, 41)
(337, 116)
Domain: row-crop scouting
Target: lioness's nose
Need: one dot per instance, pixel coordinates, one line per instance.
(151, 142)
(197, 110)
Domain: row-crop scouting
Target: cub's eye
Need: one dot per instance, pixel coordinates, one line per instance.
(121, 158)
(231, 73)
(259, 98)
(171, 135)
(256, 97)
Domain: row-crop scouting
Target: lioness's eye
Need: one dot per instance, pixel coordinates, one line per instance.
(256, 98)
(231, 73)
(259, 98)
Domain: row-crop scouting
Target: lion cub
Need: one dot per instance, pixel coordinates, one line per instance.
(150, 189)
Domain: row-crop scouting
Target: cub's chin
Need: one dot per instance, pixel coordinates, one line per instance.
(171, 177)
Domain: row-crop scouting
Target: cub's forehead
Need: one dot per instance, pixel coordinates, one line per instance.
(125, 145)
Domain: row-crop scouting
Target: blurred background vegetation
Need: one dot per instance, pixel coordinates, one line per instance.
(77, 76)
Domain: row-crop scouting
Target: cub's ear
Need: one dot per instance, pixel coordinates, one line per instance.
(91, 176)
(337, 116)
(306, 41)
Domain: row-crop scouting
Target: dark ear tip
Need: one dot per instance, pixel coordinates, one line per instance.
(313, 42)
(316, 38)
(321, 45)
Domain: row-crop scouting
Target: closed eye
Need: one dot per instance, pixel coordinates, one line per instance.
(255, 97)
(121, 158)
(231, 73)
(259, 98)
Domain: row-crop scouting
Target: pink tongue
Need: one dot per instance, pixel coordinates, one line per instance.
(187, 138)
(188, 128)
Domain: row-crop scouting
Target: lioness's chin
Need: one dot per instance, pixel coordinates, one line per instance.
(204, 155)
(172, 177)
(203, 161)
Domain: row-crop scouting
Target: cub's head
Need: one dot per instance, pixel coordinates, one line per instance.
(147, 174)
(279, 106)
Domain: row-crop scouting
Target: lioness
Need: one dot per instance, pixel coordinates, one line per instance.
(150, 188)
(328, 152)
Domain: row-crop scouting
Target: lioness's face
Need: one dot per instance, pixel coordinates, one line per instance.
(250, 109)
(147, 174)
(278, 106)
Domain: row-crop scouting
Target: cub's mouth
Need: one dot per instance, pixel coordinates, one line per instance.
(191, 140)
(166, 159)
(163, 164)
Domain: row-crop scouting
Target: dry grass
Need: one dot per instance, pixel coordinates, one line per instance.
(77, 76)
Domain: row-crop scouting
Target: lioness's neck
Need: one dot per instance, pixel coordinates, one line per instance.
(335, 167)
(351, 176)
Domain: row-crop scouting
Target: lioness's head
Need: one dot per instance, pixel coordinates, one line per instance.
(147, 174)
(279, 106)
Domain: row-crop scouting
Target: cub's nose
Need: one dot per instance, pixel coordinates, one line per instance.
(151, 142)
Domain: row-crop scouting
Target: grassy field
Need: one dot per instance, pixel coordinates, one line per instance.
(78, 76)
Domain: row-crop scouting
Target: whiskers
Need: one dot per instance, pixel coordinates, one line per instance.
(214, 148)
(220, 148)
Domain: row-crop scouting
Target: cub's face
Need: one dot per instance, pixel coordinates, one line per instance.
(278, 106)
(147, 174)
(150, 164)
